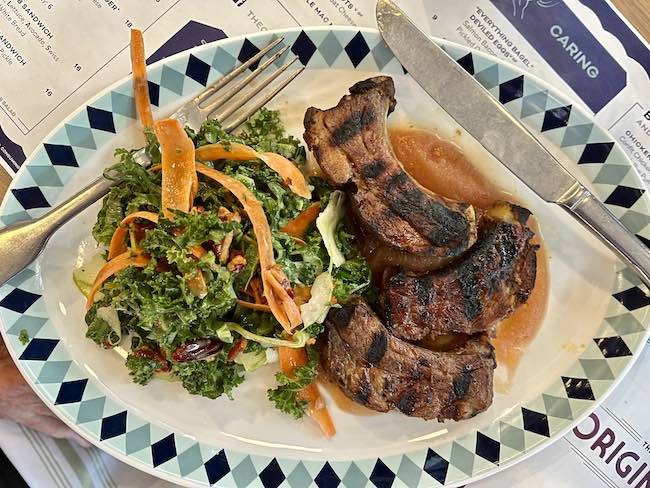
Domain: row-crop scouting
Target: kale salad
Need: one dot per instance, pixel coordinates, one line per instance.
(207, 290)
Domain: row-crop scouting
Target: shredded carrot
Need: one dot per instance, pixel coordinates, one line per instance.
(298, 226)
(290, 359)
(155, 168)
(117, 245)
(254, 306)
(178, 172)
(140, 85)
(112, 267)
(289, 172)
(281, 304)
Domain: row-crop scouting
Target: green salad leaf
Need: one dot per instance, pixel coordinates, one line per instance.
(353, 277)
(139, 190)
(23, 337)
(142, 368)
(210, 378)
(302, 263)
(99, 329)
(285, 395)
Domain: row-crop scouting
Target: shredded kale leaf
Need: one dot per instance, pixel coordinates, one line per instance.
(142, 368)
(260, 323)
(279, 202)
(139, 190)
(23, 337)
(352, 278)
(99, 331)
(210, 378)
(161, 305)
(265, 132)
(285, 395)
(302, 263)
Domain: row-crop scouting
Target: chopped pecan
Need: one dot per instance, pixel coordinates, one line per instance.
(237, 264)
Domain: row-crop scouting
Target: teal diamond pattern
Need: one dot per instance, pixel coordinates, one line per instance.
(32, 325)
(190, 460)
(299, 477)
(91, 410)
(244, 473)
(172, 80)
(138, 439)
(45, 176)
(54, 371)
(223, 61)
(330, 48)
(80, 136)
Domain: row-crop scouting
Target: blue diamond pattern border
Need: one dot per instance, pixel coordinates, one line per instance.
(102, 418)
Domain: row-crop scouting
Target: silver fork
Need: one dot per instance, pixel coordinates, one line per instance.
(22, 242)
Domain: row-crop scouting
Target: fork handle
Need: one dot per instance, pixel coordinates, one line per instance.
(591, 212)
(22, 242)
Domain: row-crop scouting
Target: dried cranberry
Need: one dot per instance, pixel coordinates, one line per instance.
(196, 349)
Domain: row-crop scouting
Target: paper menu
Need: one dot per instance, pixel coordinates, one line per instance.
(51, 50)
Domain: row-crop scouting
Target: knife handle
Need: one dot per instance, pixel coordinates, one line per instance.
(592, 213)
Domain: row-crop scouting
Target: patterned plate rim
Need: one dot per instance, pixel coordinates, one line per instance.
(77, 400)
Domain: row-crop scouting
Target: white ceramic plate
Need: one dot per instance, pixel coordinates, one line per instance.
(593, 331)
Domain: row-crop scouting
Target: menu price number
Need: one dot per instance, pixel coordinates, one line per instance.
(434, 17)
(48, 92)
(77, 67)
(647, 115)
(48, 5)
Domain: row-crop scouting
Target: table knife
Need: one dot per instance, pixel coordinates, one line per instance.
(507, 139)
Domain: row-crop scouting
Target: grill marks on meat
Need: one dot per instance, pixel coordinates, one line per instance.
(351, 144)
(383, 372)
(469, 297)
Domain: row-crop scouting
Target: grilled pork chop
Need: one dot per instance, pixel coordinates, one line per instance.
(351, 144)
(383, 372)
(471, 296)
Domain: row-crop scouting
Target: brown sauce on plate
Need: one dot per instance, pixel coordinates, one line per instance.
(342, 402)
(441, 166)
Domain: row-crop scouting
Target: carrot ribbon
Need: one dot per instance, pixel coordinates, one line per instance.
(289, 172)
(117, 245)
(179, 179)
(113, 267)
(290, 359)
(140, 85)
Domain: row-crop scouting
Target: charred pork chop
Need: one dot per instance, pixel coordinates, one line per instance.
(491, 281)
(351, 144)
(383, 372)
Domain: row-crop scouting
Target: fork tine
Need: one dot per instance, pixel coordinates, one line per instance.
(231, 108)
(230, 126)
(219, 101)
(236, 72)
